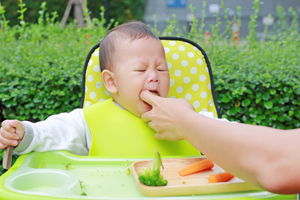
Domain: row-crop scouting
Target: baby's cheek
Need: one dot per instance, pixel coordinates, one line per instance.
(165, 85)
(144, 107)
(165, 91)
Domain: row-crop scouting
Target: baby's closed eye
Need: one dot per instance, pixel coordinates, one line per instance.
(140, 70)
(162, 70)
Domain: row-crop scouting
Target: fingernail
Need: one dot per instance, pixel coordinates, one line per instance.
(16, 137)
(14, 143)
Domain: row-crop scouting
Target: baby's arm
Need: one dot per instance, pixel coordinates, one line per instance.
(11, 133)
(65, 131)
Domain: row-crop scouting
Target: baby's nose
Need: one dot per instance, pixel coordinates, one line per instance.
(152, 77)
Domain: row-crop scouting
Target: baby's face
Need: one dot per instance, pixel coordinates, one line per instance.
(139, 65)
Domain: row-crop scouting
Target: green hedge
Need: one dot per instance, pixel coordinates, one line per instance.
(259, 85)
(257, 82)
(41, 73)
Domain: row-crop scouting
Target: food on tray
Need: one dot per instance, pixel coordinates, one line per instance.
(151, 175)
(196, 167)
(220, 177)
(127, 171)
(67, 166)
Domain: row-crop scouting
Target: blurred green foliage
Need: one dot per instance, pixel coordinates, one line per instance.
(120, 10)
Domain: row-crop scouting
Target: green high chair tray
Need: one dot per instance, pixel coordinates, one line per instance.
(61, 175)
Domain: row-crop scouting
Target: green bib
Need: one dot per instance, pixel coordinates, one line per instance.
(118, 133)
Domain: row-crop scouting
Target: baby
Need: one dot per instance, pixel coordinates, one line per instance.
(132, 59)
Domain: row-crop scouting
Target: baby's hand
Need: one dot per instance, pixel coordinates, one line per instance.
(11, 133)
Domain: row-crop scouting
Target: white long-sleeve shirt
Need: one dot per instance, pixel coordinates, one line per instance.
(65, 131)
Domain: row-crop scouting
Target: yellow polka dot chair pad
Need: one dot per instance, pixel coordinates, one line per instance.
(190, 75)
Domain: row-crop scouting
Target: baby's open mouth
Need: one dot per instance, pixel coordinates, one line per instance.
(154, 92)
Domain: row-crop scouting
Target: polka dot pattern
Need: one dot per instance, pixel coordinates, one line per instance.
(189, 77)
(94, 88)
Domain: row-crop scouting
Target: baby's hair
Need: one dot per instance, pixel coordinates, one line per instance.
(131, 30)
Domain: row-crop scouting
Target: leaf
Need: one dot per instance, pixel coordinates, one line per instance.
(257, 101)
(285, 99)
(297, 90)
(296, 123)
(274, 117)
(266, 96)
(268, 104)
(244, 118)
(297, 114)
(238, 109)
(231, 111)
(225, 99)
(272, 91)
(281, 119)
(246, 102)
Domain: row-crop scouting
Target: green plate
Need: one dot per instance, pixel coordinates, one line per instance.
(61, 175)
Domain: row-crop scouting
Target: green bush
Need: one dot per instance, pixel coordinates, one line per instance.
(119, 10)
(256, 82)
(41, 72)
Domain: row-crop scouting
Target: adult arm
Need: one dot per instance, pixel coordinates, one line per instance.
(266, 157)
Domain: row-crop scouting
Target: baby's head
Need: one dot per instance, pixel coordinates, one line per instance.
(132, 59)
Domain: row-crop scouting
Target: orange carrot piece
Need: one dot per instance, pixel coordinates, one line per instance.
(220, 177)
(196, 167)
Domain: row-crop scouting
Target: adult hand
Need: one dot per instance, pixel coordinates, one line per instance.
(165, 115)
(11, 133)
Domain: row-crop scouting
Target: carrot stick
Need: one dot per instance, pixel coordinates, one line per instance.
(196, 167)
(220, 177)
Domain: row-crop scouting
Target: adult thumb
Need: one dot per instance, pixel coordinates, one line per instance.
(148, 97)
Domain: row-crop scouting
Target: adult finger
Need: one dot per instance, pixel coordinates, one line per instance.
(148, 97)
(159, 136)
(146, 116)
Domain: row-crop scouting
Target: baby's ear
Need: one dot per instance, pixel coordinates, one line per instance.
(108, 78)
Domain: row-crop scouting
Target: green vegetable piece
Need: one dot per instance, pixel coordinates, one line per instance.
(81, 184)
(83, 194)
(127, 171)
(67, 166)
(151, 175)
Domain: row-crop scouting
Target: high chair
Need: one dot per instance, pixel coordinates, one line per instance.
(62, 175)
(190, 75)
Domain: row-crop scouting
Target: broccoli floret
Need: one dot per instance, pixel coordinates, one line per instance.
(151, 175)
